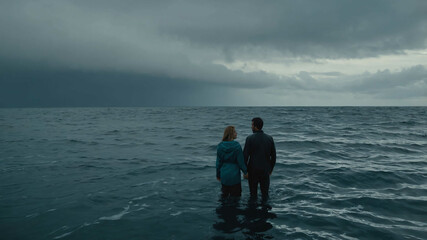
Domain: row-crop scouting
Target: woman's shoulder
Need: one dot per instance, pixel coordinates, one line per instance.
(228, 143)
(236, 144)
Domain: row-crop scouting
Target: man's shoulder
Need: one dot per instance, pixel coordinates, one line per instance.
(267, 136)
(256, 135)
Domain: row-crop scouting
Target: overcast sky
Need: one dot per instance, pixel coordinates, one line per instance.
(234, 53)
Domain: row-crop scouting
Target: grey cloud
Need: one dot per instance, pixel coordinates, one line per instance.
(167, 45)
(407, 87)
(328, 29)
(328, 74)
(203, 30)
(407, 83)
(413, 81)
(69, 36)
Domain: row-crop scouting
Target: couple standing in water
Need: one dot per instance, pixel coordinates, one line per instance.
(256, 161)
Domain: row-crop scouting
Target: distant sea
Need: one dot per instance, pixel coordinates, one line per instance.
(149, 173)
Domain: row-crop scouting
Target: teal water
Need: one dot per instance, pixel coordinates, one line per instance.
(149, 173)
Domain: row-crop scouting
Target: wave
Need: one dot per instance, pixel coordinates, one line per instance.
(398, 149)
(181, 137)
(117, 216)
(212, 147)
(346, 177)
(76, 141)
(112, 132)
(330, 155)
(303, 144)
(86, 166)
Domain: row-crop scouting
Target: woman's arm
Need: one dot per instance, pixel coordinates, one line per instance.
(241, 161)
(218, 167)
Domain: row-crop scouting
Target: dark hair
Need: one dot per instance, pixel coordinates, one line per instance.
(258, 123)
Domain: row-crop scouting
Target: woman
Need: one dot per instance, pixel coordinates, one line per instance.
(229, 162)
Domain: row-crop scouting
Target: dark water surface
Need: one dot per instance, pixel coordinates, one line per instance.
(149, 173)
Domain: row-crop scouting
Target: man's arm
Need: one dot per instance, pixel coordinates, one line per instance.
(273, 155)
(246, 151)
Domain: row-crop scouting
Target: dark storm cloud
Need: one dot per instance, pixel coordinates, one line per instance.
(107, 37)
(41, 88)
(155, 32)
(148, 52)
(327, 29)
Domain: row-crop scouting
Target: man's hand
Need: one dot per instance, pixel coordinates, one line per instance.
(246, 176)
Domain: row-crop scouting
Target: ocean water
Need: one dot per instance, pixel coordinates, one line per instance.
(149, 173)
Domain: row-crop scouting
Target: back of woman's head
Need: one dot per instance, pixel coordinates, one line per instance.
(228, 133)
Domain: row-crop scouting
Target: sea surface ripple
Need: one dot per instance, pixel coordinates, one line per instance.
(149, 173)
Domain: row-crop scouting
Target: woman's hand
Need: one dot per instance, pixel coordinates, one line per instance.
(246, 176)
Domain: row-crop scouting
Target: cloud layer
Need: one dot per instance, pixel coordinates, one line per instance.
(190, 46)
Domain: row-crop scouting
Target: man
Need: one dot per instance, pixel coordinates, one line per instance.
(260, 157)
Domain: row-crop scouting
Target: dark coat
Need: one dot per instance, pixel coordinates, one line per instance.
(260, 152)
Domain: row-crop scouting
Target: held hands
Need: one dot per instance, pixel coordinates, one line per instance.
(245, 176)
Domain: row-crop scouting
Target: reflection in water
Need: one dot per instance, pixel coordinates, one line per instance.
(251, 220)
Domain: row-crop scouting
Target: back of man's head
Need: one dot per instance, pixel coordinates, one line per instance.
(258, 123)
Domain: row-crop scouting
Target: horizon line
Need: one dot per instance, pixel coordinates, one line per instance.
(207, 106)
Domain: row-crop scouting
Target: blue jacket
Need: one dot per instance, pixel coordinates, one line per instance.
(229, 162)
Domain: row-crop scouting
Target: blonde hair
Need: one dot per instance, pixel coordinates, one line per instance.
(229, 133)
